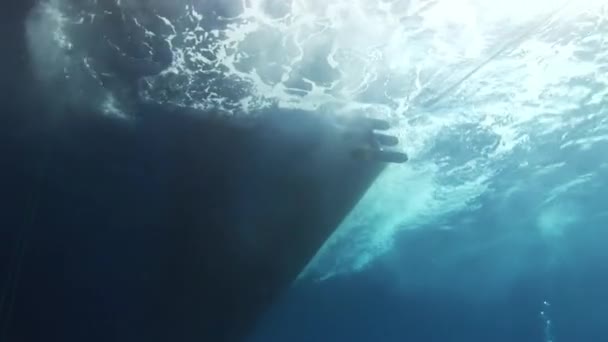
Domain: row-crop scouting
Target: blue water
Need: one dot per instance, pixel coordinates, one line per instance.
(496, 228)
(518, 288)
(567, 303)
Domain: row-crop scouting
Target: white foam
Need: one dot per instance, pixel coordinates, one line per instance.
(445, 73)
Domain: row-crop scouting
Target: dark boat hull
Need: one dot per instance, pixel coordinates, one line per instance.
(169, 227)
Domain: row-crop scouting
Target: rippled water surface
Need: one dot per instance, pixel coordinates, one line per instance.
(500, 104)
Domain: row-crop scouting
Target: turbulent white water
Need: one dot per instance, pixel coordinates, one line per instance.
(495, 101)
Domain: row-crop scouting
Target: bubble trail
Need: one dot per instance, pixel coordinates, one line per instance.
(547, 322)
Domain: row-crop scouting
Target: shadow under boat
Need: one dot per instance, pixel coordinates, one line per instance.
(175, 227)
(169, 227)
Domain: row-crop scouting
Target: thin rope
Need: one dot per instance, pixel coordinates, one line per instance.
(517, 41)
(7, 302)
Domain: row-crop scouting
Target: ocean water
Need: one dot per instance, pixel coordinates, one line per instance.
(495, 229)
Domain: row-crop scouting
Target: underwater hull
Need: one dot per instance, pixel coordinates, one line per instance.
(166, 227)
(169, 226)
